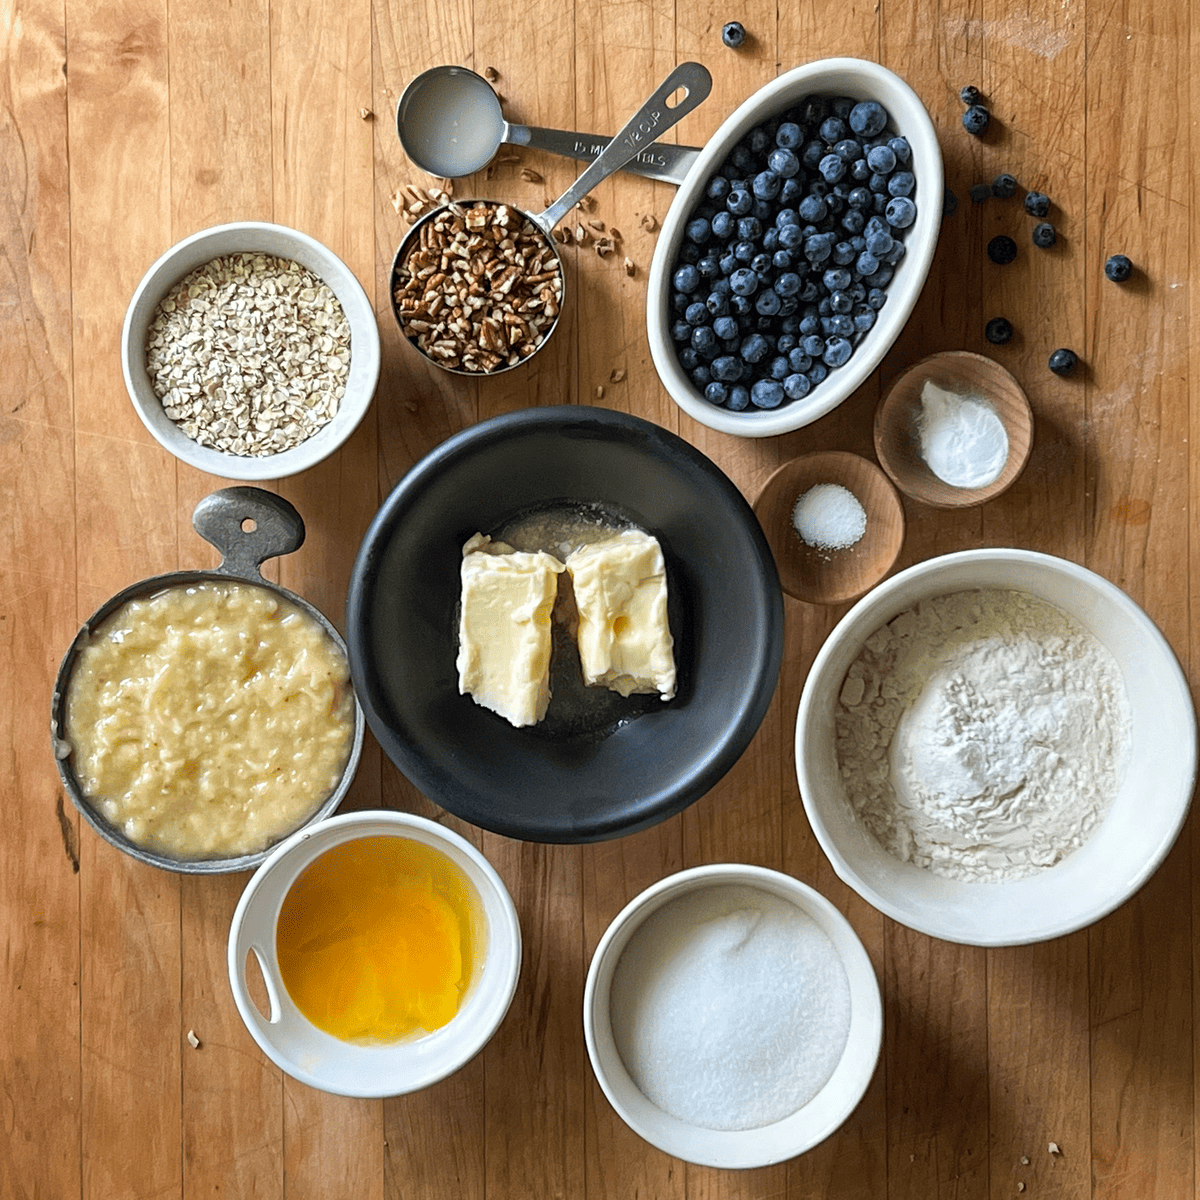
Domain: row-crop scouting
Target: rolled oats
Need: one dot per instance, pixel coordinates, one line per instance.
(480, 288)
(249, 354)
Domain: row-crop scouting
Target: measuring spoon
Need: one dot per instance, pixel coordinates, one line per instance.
(655, 116)
(450, 124)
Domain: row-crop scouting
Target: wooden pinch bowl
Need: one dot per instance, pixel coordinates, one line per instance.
(829, 576)
(897, 425)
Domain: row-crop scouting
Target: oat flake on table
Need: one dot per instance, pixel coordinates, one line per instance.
(249, 354)
(982, 734)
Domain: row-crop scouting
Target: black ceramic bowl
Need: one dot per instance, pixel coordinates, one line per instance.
(599, 765)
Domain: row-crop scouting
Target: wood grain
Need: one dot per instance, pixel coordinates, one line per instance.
(128, 124)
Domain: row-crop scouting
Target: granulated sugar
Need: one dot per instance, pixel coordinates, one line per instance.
(829, 517)
(730, 1008)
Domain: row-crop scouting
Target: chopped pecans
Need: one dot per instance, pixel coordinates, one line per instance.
(480, 289)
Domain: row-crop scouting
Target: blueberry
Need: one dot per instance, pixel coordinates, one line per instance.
(766, 185)
(723, 225)
(709, 266)
(739, 201)
(879, 243)
(716, 392)
(847, 150)
(1004, 186)
(812, 153)
(778, 368)
(788, 284)
(686, 279)
(975, 119)
(744, 282)
(1002, 249)
(728, 262)
(681, 331)
(854, 221)
(836, 279)
(970, 95)
(817, 248)
(837, 352)
(813, 345)
(766, 393)
(901, 149)
(789, 135)
(725, 327)
(859, 197)
(1037, 204)
(841, 106)
(980, 192)
(733, 34)
(860, 170)
(1044, 235)
(798, 360)
(864, 318)
(767, 302)
(1118, 268)
(791, 191)
(796, 386)
(949, 204)
(755, 348)
(744, 251)
(842, 303)
(833, 130)
(998, 331)
(697, 313)
(902, 183)
(688, 358)
(791, 237)
(759, 139)
(881, 159)
(900, 212)
(741, 306)
(876, 298)
(739, 398)
(718, 188)
(760, 264)
(698, 230)
(866, 263)
(818, 373)
(704, 341)
(867, 118)
(727, 367)
(839, 325)
(701, 376)
(783, 162)
(832, 168)
(748, 229)
(812, 208)
(1063, 362)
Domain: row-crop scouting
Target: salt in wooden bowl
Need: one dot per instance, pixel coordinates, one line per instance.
(898, 426)
(819, 575)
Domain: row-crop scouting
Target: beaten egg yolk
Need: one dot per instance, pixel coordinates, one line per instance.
(375, 940)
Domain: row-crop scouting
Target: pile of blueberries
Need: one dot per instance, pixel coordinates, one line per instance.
(785, 261)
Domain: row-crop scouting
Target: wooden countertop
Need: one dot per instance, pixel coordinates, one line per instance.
(128, 125)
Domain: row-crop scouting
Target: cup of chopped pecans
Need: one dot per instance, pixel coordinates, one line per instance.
(250, 351)
(477, 287)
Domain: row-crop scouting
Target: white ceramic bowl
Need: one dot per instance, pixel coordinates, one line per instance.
(317, 1058)
(1122, 852)
(248, 237)
(767, 1144)
(861, 80)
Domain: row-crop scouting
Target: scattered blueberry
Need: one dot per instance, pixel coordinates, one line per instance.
(1037, 204)
(733, 34)
(975, 119)
(1002, 249)
(1004, 186)
(949, 202)
(980, 192)
(1118, 268)
(970, 95)
(1063, 362)
(1044, 235)
(998, 331)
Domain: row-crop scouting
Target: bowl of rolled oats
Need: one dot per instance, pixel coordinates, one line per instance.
(250, 351)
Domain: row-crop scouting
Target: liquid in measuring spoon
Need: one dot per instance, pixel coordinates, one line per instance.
(452, 124)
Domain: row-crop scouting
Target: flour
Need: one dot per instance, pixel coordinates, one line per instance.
(982, 734)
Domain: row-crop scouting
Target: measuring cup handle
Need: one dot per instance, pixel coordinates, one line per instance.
(663, 161)
(654, 117)
(248, 525)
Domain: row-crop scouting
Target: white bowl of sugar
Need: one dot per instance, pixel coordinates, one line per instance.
(732, 1016)
(996, 747)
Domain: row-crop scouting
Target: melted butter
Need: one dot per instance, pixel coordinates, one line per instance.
(378, 939)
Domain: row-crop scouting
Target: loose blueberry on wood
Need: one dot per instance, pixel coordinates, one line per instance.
(1002, 249)
(1004, 186)
(1044, 235)
(975, 120)
(1037, 204)
(998, 331)
(733, 34)
(1063, 361)
(1118, 268)
(970, 95)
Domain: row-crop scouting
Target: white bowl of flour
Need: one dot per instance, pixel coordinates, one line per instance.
(996, 747)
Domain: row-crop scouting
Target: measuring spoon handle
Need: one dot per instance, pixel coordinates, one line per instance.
(663, 161)
(653, 118)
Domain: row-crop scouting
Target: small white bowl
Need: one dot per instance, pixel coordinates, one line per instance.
(323, 1061)
(745, 1148)
(264, 238)
(1123, 851)
(862, 80)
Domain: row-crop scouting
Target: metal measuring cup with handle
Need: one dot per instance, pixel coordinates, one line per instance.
(453, 310)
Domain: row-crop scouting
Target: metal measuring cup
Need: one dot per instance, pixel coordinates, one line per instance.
(450, 123)
(248, 526)
(654, 117)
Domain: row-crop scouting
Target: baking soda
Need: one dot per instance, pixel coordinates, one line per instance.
(730, 1008)
(963, 441)
(829, 517)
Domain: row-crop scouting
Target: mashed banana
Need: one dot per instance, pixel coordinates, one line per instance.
(209, 719)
